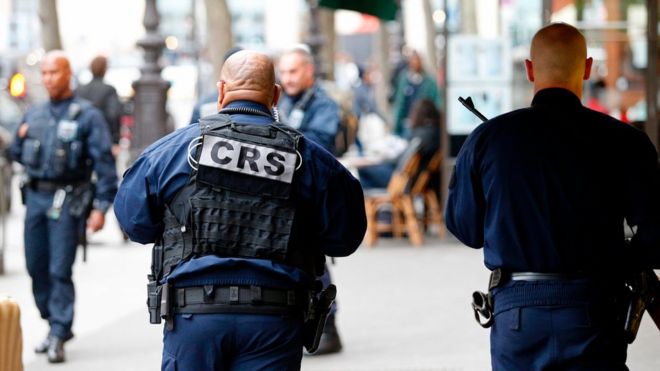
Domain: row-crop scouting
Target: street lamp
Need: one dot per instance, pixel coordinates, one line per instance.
(150, 89)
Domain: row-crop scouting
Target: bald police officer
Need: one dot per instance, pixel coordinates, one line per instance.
(242, 211)
(545, 191)
(61, 143)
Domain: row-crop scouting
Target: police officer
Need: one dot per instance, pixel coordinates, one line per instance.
(307, 107)
(545, 191)
(61, 143)
(241, 210)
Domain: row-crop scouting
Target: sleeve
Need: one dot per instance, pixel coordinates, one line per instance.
(16, 146)
(99, 150)
(113, 111)
(643, 203)
(136, 205)
(343, 221)
(465, 211)
(323, 125)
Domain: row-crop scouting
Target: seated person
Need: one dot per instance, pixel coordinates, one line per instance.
(425, 125)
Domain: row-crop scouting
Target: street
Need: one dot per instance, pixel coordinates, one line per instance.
(400, 308)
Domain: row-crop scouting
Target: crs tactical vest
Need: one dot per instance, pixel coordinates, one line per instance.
(238, 201)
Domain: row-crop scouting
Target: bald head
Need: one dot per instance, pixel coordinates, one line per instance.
(248, 75)
(559, 58)
(56, 75)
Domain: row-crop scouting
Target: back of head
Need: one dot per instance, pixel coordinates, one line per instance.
(99, 66)
(424, 112)
(558, 54)
(248, 75)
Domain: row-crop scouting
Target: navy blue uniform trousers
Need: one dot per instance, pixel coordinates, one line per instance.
(571, 336)
(219, 342)
(50, 250)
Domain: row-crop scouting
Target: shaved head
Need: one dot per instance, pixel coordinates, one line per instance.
(248, 75)
(558, 56)
(56, 75)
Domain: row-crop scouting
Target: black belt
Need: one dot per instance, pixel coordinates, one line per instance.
(42, 185)
(499, 277)
(223, 299)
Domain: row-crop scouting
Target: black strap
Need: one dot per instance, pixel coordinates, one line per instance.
(225, 297)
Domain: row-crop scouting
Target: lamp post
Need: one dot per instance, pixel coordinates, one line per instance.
(150, 89)
(315, 39)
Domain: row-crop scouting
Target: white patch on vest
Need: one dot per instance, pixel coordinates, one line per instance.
(241, 157)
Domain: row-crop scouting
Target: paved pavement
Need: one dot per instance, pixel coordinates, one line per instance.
(400, 308)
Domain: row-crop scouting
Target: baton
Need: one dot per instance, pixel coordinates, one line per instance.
(470, 106)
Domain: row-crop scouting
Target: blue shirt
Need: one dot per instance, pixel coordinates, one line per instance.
(91, 130)
(321, 120)
(162, 170)
(547, 188)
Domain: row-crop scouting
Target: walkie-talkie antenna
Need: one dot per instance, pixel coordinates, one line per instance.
(470, 106)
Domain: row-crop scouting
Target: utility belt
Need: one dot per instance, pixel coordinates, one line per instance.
(483, 303)
(164, 301)
(43, 185)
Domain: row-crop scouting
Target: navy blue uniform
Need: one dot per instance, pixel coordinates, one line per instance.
(334, 209)
(60, 152)
(320, 120)
(546, 189)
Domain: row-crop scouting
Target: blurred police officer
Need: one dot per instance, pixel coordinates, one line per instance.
(240, 227)
(61, 143)
(307, 107)
(545, 191)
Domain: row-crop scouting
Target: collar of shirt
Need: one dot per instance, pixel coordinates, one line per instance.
(556, 97)
(58, 108)
(248, 118)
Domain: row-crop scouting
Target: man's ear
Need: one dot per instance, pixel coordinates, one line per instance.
(277, 91)
(221, 93)
(587, 68)
(530, 70)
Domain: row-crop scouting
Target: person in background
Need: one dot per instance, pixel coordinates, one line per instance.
(61, 144)
(305, 105)
(104, 97)
(425, 125)
(413, 84)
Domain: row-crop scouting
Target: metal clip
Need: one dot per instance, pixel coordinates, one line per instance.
(56, 208)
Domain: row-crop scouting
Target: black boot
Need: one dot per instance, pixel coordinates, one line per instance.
(330, 341)
(56, 350)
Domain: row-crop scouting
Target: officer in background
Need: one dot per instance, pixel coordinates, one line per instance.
(240, 225)
(306, 106)
(61, 143)
(545, 191)
(104, 97)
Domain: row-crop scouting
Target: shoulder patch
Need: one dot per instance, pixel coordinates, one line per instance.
(247, 158)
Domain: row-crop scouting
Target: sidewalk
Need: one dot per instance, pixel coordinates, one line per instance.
(400, 308)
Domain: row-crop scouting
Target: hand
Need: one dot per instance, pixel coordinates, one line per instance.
(116, 150)
(96, 221)
(22, 131)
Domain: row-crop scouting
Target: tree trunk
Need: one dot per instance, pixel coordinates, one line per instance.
(219, 35)
(50, 25)
(430, 36)
(327, 52)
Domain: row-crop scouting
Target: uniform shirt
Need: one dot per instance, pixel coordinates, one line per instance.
(547, 188)
(207, 105)
(92, 131)
(321, 120)
(325, 185)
